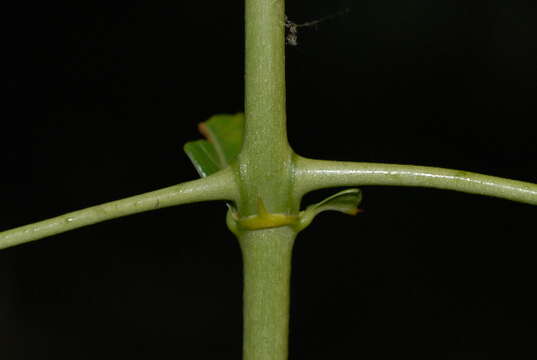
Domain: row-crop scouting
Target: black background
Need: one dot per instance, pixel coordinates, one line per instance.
(102, 95)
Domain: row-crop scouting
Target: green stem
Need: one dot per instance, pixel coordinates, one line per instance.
(267, 271)
(265, 172)
(265, 162)
(220, 186)
(317, 174)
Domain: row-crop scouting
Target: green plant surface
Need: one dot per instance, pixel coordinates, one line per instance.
(345, 201)
(267, 271)
(318, 174)
(219, 186)
(224, 140)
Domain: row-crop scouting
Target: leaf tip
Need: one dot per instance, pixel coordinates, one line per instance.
(202, 128)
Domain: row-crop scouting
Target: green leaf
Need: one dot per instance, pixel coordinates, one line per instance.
(203, 156)
(225, 133)
(224, 140)
(345, 201)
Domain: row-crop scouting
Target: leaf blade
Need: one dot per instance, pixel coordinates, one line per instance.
(203, 156)
(345, 201)
(224, 134)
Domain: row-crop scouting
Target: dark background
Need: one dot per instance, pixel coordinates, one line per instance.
(102, 95)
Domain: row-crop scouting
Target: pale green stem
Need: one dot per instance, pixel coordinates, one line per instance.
(317, 174)
(267, 270)
(265, 172)
(265, 161)
(219, 186)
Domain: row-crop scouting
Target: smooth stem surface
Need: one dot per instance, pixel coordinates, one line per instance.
(265, 161)
(267, 270)
(317, 174)
(265, 173)
(220, 186)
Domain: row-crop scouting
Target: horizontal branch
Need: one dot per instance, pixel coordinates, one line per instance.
(317, 174)
(219, 186)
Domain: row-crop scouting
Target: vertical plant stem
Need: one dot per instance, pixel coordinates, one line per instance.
(267, 270)
(265, 172)
(265, 162)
